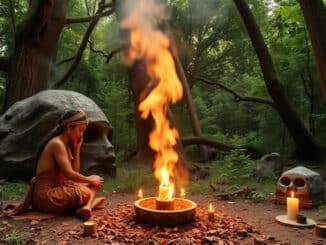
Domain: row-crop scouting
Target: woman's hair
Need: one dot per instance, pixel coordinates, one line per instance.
(60, 128)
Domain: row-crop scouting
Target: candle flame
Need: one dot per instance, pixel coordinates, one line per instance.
(140, 194)
(148, 43)
(210, 207)
(292, 193)
(182, 192)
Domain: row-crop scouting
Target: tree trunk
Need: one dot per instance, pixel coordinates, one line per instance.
(307, 147)
(138, 81)
(34, 46)
(190, 104)
(314, 13)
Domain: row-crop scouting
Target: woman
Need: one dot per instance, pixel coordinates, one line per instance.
(58, 185)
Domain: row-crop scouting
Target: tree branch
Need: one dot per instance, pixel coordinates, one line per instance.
(4, 64)
(108, 56)
(196, 140)
(65, 61)
(239, 97)
(82, 47)
(90, 18)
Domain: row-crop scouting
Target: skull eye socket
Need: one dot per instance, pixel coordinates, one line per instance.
(91, 134)
(285, 181)
(299, 182)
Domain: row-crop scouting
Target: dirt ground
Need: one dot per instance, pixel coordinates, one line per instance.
(116, 225)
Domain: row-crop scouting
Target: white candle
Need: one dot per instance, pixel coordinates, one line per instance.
(292, 204)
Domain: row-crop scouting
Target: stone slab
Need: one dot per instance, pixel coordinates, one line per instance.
(283, 219)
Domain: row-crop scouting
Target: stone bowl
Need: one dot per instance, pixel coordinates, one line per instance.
(183, 213)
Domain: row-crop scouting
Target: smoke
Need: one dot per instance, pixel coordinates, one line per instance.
(144, 18)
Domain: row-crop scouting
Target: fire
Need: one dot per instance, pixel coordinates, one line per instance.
(147, 42)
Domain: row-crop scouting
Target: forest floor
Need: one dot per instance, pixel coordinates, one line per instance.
(237, 222)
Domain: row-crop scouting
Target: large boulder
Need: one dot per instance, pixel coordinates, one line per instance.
(24, 124)
(268, 166)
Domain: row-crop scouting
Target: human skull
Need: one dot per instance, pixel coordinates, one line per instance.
(25, 123)
(307, 185)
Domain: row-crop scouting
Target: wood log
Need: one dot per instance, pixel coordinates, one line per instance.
(246, 191)
(186, 141)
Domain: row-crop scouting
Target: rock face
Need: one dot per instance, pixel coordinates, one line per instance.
(305, 183)
(24, 124)
(268, 166)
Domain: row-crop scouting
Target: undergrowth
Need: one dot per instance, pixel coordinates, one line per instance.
(230, 173)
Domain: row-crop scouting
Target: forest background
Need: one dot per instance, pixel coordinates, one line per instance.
(228, 90)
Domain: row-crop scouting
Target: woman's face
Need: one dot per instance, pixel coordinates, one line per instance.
(77, 131)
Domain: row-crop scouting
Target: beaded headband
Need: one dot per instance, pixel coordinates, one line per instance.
(79, 118)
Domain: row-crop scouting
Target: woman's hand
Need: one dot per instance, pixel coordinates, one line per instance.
(78, 143)
(96, 181)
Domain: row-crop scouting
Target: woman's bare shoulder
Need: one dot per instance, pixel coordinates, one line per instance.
(56, 142)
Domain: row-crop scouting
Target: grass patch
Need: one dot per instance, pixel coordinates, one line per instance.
(14, 190)
(15, 238)
(131, 178)
(230, 176)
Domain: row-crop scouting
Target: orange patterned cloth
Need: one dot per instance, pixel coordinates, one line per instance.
(51, 192)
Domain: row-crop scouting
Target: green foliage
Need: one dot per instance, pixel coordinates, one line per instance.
(118, 107)
(13, 190)
(237, 162)
(131, 178)
(258, 196)
(212, 43)
(15, 238)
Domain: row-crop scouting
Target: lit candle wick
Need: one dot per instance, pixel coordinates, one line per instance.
(140, 194)
(182, 193)
(210, 212)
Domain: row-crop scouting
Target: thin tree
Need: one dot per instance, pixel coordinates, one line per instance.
(307, 146)
(314, 13)
(28, 67)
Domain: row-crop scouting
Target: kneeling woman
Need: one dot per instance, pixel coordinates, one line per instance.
(58, 186)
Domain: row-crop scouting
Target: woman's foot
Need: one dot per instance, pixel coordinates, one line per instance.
(83, 212)
(98, 202)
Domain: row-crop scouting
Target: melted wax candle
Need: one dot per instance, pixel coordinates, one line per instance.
(292, 204)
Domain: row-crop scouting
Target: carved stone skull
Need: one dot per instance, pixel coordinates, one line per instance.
(25, 123)
(307, 184)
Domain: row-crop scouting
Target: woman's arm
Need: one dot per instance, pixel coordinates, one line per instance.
(61, 157)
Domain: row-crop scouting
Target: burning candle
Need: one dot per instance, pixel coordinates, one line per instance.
(182, 193)
(210, 212)
(292, 204)
(140, 194)
(89, 227)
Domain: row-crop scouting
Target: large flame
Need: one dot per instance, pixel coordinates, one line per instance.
(150, 44)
